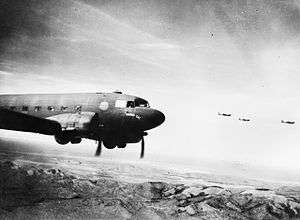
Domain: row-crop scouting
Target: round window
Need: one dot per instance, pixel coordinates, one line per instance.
(103, 106)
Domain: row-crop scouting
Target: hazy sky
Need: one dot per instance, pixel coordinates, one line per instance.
(190, 59)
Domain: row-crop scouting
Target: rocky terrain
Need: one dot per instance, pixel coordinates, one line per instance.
(34, 189)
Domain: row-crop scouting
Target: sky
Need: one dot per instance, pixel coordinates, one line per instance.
(190, 59)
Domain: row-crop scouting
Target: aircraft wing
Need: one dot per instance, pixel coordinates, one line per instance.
(17, 121)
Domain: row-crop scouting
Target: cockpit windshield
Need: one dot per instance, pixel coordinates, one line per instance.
(132, 104)
(138, 102)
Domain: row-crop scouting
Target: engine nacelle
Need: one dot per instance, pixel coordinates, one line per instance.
(62, 139)
(74, 126)
(76, 140)
(133, 138)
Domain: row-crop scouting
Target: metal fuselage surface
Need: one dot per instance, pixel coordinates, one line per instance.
(106, 116)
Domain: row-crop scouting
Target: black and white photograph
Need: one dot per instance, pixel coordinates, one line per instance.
(150, 109)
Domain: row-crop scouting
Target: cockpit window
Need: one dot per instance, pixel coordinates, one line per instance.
(141, 103)
(130, 104)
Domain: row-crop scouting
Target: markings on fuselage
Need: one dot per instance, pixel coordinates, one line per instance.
(104, 106)
(130, 114)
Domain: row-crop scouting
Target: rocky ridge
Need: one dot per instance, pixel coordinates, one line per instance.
(35, 192)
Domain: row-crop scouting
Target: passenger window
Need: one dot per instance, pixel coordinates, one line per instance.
(37, 108)
(51, 108)
(63, 108)
(130, 104)
(120, 104)
(24, 108)
(78, 108)
(13, 108)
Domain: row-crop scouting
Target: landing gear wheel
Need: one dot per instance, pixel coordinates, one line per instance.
(76, 140)
(109, 144)
(61, 139)
(121, 145)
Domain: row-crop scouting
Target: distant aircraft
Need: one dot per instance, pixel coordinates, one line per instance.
(288, 122)
(112, 118)
(224, 114)
(244, 119)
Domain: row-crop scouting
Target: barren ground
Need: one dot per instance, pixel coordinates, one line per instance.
(64, 187)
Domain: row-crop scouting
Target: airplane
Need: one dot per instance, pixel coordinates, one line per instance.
(115, 119)
(244, 119)
(288, 122)
(224, 114)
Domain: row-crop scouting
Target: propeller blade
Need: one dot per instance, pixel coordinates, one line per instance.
(99, 148)
(142, 148)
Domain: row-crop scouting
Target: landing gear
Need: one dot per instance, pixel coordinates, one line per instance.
(62, 139)
(121, 145)
(65, 138)
(76, 140)
(109, 144)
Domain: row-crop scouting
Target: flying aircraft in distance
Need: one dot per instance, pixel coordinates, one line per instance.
(244, 119)
(288, 122)
(115, 119)
(224, 114)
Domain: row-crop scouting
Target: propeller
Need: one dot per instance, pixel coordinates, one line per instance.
(142, 148)
(99, 148)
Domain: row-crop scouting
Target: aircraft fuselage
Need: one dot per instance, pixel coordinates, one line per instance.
(111, 117)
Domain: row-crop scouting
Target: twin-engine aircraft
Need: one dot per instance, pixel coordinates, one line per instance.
(224, 114)
(288, 122)
(115, 119)
(244, 119)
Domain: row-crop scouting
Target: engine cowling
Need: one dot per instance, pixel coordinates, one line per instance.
(76, 140)
(62, 139)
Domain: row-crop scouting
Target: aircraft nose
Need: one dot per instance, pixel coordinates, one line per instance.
(150, 118)
(157, 118)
